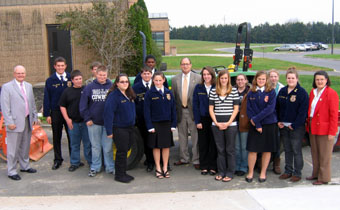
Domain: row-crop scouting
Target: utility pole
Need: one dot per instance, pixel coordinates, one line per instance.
(332, 26)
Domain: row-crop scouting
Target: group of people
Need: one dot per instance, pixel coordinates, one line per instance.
(231, 127)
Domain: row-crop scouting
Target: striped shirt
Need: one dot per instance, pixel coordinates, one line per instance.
(223, 108)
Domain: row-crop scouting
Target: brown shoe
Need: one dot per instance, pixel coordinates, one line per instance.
(178, 163)
(276, 166)
(319, 183)
(285, 176)
(295, 179)
(197, 166)
(310, 178)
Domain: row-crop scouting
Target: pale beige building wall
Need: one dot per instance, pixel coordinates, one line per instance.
(162, 25)
(23, 40)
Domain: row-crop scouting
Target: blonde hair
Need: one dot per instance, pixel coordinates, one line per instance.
(268, 85)
(218, 82)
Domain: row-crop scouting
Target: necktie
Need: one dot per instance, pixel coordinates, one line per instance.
(185, 92)
(62, 80)
(147, 86)
(25, 98)
(160, 91)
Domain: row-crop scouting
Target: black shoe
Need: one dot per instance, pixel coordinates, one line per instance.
(130, 177)
(123, 179)
(150, 167)
(262, 180)
(249, 180)
(212, 172)
(204, 172)
(30, 170)
(15, 177)
(240, 173)
(56, 165)
(73, 168)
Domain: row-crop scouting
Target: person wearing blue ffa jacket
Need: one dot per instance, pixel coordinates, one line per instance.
(200, 105)
(160, 119)
(119, 121)
(150, 61)
(292, 108)
(263, 131)
(54, 87)
(140, 89)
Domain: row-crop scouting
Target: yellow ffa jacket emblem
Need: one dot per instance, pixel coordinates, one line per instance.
(155, 98)
(122, 101)
(168, 96)
(56, 85)
(69, 83)
(293, 98)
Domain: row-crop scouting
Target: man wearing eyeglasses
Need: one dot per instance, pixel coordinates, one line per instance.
(183, 85)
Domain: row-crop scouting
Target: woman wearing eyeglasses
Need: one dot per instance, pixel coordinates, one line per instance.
(119, 121)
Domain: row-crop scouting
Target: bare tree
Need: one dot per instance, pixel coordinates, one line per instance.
(103, 29)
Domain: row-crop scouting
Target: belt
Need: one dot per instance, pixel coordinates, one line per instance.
(184, 107)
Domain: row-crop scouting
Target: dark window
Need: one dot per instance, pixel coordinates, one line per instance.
(158, 37)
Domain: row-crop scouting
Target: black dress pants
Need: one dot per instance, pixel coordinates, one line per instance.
(57, 128)
(123, 140)
(207, 145)
(144, 133)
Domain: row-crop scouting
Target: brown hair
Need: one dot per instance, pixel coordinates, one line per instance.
(146, 68)
(59, 59)
(129, 91)
(268, 85)
(95, 64)
(101, 68)
(211, 72)
(218, 83)
(292, 70)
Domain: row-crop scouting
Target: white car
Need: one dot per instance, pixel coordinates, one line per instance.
(301, 47)
(324, 46)
(287, 47)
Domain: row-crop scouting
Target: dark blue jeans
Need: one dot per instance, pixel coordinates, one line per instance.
(77, 134)
(292, 141)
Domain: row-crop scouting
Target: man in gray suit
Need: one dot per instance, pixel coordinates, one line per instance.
(19, 111)
(183, 85)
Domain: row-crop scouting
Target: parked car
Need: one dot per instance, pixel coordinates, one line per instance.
(301, 47)
(287, 47)
(323, 46)
(308, 48)
(311, 45)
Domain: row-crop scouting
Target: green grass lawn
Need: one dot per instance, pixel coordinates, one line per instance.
(258, 63)
(199, 47)
(326, 56)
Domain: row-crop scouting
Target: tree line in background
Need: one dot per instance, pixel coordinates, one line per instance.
(296, 32)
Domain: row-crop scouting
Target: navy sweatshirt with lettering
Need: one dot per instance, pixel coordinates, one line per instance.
(92, 101)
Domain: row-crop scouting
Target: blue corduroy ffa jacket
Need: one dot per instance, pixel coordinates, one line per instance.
(292, 107)
(261, 107)
(159, 107)
(54, 87)
(200, 102)
(119, 111)
(140, 91)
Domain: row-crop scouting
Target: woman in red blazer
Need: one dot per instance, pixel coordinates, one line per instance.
(322, 126)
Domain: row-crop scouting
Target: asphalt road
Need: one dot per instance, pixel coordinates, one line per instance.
(299, 57)
(61, 182)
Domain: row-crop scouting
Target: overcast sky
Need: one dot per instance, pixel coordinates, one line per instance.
(208, 12)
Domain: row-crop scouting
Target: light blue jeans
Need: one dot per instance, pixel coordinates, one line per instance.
(241, 151)
(99, 142)
(77, 134)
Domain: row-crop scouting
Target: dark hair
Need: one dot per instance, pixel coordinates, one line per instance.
(150, 57)
(76, 73)
(101, 68)
(146, 68)
(129, 91)
(157, 73)
(211, 72)
(322, 73)
(95, 64)
(185, 58)
(59, 59)
(268, 85)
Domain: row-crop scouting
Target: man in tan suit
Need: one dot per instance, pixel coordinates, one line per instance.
(183, 85)
(19, 111)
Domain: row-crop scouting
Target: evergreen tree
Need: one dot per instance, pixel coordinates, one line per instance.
(139, 21)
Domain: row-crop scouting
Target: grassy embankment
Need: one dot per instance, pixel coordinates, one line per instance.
(325, 56)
